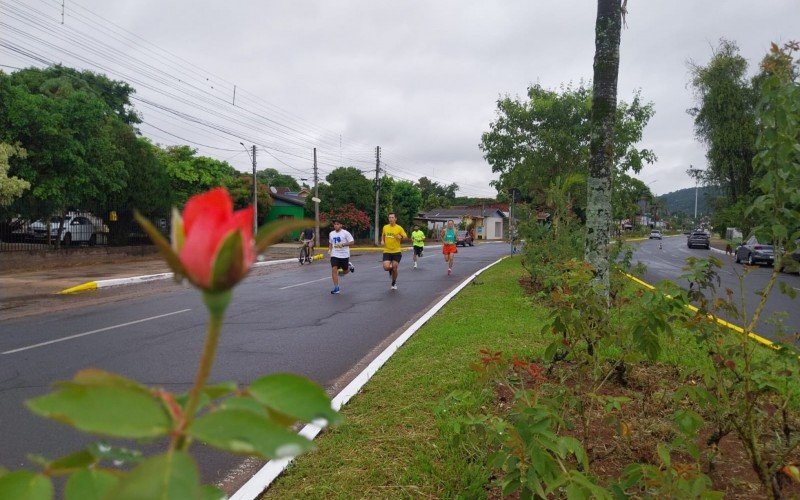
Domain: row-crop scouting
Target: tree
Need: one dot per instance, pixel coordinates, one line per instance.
(548, 134)
(603, 116)
(190, 174)
(68, 125)
(406, 202)
(559, 198)
(354, 220)
(11, 187)
(345, 185)
(725, 119)
(272, 177)
(626, 193)
(241, 191)
(435, 195)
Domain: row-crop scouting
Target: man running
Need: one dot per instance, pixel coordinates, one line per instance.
(418, 241)
(449, 248)
(391, 237)
(339, 242)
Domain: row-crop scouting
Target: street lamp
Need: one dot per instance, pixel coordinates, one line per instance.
(695, 172)
(255, 187)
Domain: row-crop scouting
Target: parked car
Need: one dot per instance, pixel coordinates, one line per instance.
(699, 239)
(77, 228)
(655, 234)
(463, 238)
(754, 252)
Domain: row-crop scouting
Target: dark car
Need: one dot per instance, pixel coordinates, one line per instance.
(699, 239)
(463, 238)
(754, 252)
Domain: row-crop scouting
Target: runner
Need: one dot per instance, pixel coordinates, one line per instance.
(418, 240)
(391, 236)
(449, 248)
(339, 242)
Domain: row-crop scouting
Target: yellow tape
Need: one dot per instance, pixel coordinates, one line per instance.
(736, 328)
(91, 285)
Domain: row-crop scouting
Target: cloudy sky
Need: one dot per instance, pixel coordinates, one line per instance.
(418, 78)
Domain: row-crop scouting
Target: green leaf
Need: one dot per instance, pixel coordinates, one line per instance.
(242, 431)
(102, 378)
(112, 411)
(90, 484)
(273, 232)
(104, 451)
(244, 403)
(663, 454)
(162, 244)
(295, 396)
(78, 460)
(171, 476)
(25, 485)
(228, 264)
(221, 389)
(209, 492)
(688, 421)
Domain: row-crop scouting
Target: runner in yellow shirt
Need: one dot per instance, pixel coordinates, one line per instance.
(391, 237)
(418, 241)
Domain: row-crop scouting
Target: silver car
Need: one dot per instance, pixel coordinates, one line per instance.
(754, 252)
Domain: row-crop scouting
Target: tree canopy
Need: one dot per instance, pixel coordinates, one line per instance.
(272, 177)
(190, 174)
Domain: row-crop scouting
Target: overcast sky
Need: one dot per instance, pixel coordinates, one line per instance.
(418, 78)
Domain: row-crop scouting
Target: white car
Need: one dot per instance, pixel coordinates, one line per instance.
(655, 234)
(77, 228)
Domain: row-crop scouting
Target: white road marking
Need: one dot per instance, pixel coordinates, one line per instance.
(93, 332)
(305, 283)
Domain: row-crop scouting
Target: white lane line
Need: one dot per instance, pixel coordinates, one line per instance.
(305, 283)
(94, 331)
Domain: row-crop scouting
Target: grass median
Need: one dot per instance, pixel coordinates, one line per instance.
(392, 443)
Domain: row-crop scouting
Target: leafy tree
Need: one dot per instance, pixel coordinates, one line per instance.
(725, 118)
(602, 146)
(190, 174)
(548, 134)
(559, 198)
(626, 193)
(435, 195)
(272, 177)
(11, 188)
(241, 190)
(406, 202)
(68, 128)
(345, 185)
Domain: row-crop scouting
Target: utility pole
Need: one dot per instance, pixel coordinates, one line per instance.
(316, 203)
(255, 194)
(377, 192)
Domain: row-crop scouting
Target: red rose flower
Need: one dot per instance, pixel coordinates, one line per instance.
(214, 244)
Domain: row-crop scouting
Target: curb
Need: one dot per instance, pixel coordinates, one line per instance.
(261, 480)
(738, 329)
(93, 285)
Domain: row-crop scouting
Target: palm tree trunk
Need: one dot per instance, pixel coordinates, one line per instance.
(604, 105)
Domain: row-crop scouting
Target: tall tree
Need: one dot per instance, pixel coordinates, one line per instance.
(345, 185)
(191, 174)
(11, 187)
(533, 141)
(241, 190)
(406, 202)
(273, 178)
(725, 118)
(604, 108)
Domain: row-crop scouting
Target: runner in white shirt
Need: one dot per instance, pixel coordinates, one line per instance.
(339, 242)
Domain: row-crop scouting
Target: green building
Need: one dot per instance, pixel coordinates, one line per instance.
(287, 205)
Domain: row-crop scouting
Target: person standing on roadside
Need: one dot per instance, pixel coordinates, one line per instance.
(418, 242)
(339, 242)
(391, 237)
(449, 248)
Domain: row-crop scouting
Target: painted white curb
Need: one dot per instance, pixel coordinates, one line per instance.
(272, 469)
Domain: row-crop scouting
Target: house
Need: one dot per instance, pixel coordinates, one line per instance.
(286, 205)
(489, 223)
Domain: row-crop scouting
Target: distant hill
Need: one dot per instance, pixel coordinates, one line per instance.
(682, 200)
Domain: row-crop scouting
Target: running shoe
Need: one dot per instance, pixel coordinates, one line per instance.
(394, 286)
(335, 290)
(352, 267)
(415, 265)
(449, 271)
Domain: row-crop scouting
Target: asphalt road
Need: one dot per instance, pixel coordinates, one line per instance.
(668, 262)
(283, 320)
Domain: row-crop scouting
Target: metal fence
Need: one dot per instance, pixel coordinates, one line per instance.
(75, 229)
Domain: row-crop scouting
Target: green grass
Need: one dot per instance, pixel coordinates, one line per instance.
(392, 444)
(396, 442)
